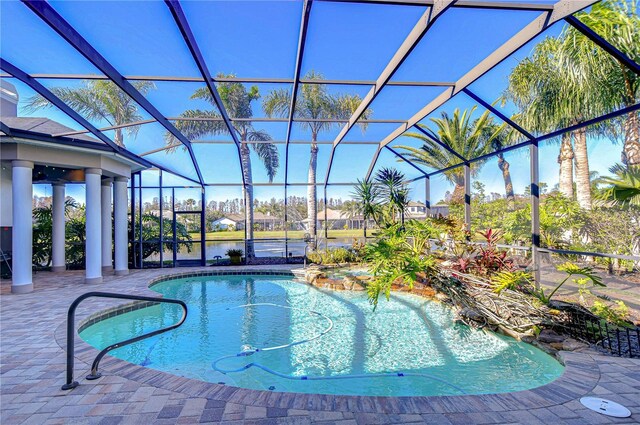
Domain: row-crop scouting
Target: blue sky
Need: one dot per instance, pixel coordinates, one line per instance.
(259, 39)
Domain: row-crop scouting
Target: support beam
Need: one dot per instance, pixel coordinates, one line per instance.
(427, 196)
(58, 238)
(535, 211)
(121, 244)
(190, 40)
(439, 142)
(423, 25)
(399, 155)
(58, 103)
(473, 4)
(560, 10)
(93, 238)
(499, 114)
(107, 238)
(302, 38)
(467, 196)
(22, 237)
(52, 18)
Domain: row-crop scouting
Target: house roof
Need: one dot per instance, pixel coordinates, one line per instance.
(44, 126)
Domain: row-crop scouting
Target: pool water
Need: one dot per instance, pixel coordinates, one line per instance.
(407, 334)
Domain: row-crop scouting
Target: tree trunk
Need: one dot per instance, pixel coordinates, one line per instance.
(312, 205)
(565, 159)
(503, 165)
(118, 137)
(458, 194)
(631, 150)
(583, 181)
(245, 157)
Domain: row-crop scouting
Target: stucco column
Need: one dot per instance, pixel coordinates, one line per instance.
(93, 211)
(22, 243)
(120, 225)
(107, 249)
(58, 249)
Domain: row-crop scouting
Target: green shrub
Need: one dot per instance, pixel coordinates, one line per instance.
(235, 253)
(616, 313)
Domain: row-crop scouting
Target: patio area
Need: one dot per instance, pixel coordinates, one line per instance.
(33, 369)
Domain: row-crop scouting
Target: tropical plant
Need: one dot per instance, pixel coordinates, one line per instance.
(515, 280)
(234, 252)
(548, 97)
(151, 237)
(99, 100)
(487, 259)
(350, 211)
(469, 138)
(394, 193)
(616, 312)
(366, 194)
(392, 260)
(624, 188)
(319, 107)
(571, 270)
(237, 100)
(43, 231)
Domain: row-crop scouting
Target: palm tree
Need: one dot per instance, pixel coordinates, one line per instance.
(468, 138)
(624, 188)
(366, 194)
(99, 100)
(315, 104)
(393, 192)
(349, 209)
(501, 136)
(548, 98)
(237, 101)
(615, 85)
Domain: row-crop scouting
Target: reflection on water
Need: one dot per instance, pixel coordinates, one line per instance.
(267, 248)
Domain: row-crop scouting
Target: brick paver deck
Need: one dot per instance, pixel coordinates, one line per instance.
(32, 369)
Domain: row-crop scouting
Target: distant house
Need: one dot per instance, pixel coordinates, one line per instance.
(417, 210)
(336, 219)
(261, 222)
(224, 223)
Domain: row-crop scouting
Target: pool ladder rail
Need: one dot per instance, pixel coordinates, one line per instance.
(70, 384)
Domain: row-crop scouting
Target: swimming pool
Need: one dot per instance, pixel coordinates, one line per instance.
(232, 316)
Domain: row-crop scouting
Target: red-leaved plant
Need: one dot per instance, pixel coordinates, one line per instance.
(488, 259)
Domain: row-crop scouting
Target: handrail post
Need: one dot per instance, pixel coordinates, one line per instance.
(70, 384)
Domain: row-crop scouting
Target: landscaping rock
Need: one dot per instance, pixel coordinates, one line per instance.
(471, 314)
(549, 336)
(571, 344)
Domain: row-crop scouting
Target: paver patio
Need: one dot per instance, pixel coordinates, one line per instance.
(32, 369)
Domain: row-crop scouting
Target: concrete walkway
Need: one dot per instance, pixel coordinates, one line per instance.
(32, 369)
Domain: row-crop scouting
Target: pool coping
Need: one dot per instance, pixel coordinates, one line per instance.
(579, 378)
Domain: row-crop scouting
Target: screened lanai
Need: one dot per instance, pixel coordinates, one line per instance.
(249, 123)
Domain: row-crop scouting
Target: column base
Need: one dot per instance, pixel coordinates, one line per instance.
(122, 272)
(93, 279)
(57, 269)
(107, 268)
(22, 289)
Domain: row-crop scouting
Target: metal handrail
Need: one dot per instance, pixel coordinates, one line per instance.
(70, 384)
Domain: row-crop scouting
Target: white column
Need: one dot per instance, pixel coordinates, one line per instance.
(107, 250)
(93, 211)
(58, 260)
(120, 225)
(22, 243)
